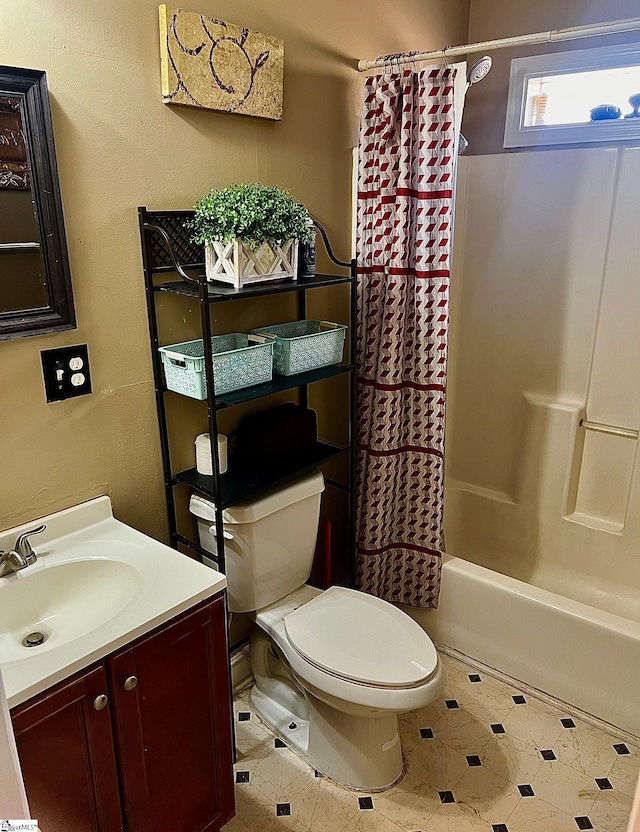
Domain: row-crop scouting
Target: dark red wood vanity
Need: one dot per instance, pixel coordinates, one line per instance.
(141, 741)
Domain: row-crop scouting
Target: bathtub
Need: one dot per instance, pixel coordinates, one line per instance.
(572, 651)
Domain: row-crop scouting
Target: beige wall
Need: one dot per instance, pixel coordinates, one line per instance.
(486, 104)
(118, 147)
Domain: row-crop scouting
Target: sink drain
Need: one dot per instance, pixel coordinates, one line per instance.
(34, 639)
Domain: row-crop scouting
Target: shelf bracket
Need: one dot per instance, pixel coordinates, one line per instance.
(325, 239)
(156, 228)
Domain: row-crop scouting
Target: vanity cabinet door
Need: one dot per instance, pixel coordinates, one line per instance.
(67, 756)
(172, 721)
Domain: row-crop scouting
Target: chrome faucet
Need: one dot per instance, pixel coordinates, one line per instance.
(22, 554)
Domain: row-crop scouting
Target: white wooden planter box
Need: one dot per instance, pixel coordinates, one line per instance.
(238, 265)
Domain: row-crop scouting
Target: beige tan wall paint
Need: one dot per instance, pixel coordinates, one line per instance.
(486, 105)
(118, 147)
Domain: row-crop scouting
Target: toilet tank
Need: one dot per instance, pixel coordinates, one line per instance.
(269, 542)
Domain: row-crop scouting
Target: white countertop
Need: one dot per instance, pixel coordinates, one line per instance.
(153, 583)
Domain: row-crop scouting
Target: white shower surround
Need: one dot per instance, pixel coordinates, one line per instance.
(570, 650)
(544, 518)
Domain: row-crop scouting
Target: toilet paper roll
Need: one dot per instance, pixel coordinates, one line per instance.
(204, 464)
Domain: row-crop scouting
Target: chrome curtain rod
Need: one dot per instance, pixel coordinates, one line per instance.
(553, 36)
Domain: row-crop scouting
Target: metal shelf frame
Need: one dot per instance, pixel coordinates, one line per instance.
(167, 249)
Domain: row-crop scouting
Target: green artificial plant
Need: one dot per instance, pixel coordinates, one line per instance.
(252, 213)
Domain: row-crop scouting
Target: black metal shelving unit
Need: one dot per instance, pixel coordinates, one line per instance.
(167, 250)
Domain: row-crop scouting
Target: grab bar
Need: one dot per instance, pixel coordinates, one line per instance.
(612, 430)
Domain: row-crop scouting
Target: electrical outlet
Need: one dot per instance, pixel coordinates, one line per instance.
(66, 372)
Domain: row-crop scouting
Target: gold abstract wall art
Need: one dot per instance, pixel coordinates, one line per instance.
(214, 65)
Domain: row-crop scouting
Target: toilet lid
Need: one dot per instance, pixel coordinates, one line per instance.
(362, 639)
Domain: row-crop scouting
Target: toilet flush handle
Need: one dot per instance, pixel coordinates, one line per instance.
(227, 535)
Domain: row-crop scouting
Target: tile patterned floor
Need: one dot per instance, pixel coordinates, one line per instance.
(486, 756)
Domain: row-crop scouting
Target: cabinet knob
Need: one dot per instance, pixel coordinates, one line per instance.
(130, 682)
(100, 702)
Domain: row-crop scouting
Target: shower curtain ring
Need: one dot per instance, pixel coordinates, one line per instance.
(444, 56)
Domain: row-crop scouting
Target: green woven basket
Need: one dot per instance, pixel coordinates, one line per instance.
(304, 345)
(238, 361)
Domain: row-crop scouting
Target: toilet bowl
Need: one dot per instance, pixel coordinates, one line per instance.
(333, 693)
(333, 668)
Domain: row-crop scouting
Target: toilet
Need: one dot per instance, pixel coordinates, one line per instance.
(333, 668)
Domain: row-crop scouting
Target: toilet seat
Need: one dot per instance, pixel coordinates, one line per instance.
(332, 688)
(361, 639)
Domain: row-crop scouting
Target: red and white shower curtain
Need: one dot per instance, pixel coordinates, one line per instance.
(404, 230)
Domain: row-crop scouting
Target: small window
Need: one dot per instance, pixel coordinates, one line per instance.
(590, 95)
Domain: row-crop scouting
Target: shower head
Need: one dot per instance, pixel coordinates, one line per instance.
(479, 70)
